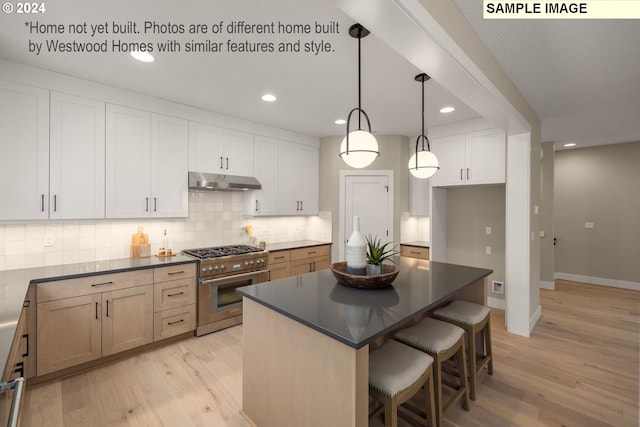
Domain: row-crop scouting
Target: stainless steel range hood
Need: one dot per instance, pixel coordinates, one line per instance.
(219, 182)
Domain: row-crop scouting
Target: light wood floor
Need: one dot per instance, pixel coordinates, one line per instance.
(580, 367)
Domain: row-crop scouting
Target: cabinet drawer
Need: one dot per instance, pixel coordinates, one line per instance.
(279, 256)
(176, 293)
(415, 252)
(310, 252)
(175, 321)
(174, 272)
(89, 285)
(279, 270)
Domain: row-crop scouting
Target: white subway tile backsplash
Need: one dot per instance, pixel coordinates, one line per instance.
(215, 218)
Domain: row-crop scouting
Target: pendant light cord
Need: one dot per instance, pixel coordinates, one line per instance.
(423, 116)
(359, 81)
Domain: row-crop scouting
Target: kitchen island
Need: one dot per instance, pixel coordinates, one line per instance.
(307, 338)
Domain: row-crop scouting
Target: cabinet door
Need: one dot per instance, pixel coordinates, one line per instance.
(450, 151)
(265, 167)
(128, 133)
(77, 163)
(485, 157)
(298, 179)
(68, 333)
(24, 163)
(206, 148)
(238, 156)
(169, 167)
(127, 320)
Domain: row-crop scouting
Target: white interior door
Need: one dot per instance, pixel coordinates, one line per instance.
(369, 196)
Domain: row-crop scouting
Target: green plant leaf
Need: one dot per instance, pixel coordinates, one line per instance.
(377, 252)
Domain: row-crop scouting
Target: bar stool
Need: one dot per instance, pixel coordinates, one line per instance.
(442, 341)
(473, 318)
(396, 373)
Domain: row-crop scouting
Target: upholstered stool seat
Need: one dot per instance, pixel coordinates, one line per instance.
(442, 341)
(474, 319)
(396, 373)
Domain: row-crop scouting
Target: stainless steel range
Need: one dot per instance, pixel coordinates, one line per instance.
(222, 270)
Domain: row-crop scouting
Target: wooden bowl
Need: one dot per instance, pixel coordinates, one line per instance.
(377, 281)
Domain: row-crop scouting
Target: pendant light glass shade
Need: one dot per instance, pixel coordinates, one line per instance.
(359, 148)
(423, 163)
(362, 151)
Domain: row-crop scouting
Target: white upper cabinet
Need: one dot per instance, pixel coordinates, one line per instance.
(265, 168)
(128, 162)
(146, 169)
(221, 151)
(298, 179)
(474, 158)
(238, 156)
(77, 157)
(169, 166)
(289, 174)
(24, 148)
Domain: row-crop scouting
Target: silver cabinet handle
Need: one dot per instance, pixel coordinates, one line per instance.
(146, 206)
(55, 202)
(42, 202)
(227, 163)
(256, 205)
(221, 164)
(460, 174)
(155, 204)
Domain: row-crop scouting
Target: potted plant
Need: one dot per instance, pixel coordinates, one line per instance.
(377, 253)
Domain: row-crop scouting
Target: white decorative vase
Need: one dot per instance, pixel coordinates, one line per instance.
(356, 251)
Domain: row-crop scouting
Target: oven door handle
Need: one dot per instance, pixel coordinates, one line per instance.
(232, 277)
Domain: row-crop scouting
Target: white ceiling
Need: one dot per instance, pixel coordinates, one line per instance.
(581, 77)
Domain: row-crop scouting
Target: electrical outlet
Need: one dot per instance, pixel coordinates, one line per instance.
(487, 250)
(588, 226)
(48, 241)
(497, 287)
(487, 231)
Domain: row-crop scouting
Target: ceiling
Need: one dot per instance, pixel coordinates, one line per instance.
(569, 71)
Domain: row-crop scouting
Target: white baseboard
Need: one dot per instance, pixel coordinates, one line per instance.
(547, 285)
(496, 303)
(534, 319)
(598, 281)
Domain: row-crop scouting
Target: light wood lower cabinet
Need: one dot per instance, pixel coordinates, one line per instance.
(299, 261)
(174, 301)
(279, 264)
(414, 251)
(80, 320)
(127, 320)
(69, 332)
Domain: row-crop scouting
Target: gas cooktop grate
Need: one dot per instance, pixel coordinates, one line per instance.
(219, 251)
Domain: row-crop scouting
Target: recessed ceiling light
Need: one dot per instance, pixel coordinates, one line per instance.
(446, 110)
(570, 144)
(268, 97)
(340, 121)
(142, 56)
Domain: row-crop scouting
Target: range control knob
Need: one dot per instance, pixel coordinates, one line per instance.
(216, 268)
(251, 262)
(222, 267)
(210, 268)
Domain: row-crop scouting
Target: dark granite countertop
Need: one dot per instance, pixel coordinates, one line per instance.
(14, 285)
(283, 246)
(417, 243)
(357, 317)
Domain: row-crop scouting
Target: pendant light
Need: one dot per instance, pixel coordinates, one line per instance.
(359, 148)
(423, 163)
